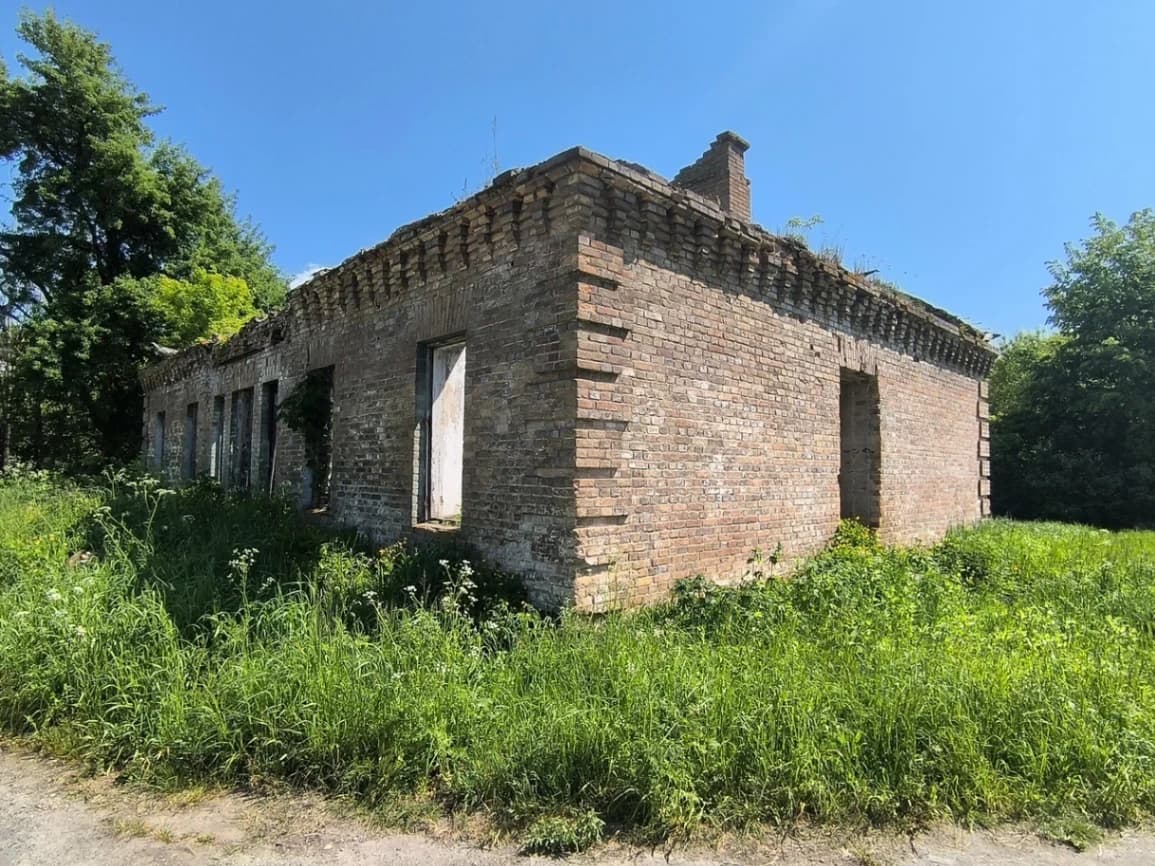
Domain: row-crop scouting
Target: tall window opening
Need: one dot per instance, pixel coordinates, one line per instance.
(442, 394)
(217, 445)
(241, 439)
(860, 471)
(309, 411)
(269, 434)
(189, 465)
(158, 442)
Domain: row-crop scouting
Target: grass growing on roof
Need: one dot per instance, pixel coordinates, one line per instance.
(1005, 673)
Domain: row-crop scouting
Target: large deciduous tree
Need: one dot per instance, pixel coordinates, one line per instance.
(112, 235)
(1073, 414)
(205, 305)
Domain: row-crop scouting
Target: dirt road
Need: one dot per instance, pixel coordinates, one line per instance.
(50, 815)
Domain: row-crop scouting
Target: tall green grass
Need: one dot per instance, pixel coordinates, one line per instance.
(1006, 673)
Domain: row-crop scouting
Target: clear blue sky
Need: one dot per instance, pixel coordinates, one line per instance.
(954, 146)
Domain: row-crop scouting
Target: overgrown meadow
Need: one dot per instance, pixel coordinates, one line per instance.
(192, 637)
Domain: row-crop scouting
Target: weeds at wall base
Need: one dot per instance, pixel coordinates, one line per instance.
(1003, 674)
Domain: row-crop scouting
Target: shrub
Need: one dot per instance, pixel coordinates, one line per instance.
(853, 534)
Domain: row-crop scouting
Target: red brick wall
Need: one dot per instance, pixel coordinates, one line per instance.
(729, 439)
(710, 416)
(498, 270)
(651, 390)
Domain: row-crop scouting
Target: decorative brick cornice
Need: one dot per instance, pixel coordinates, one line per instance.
(628, 206)
(487, 227)
(633, 208)
(484, 228)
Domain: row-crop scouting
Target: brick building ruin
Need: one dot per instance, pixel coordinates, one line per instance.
(599, 379)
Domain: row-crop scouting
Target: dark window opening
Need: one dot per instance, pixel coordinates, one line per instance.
(309, 411)
(269, 432)
(241, 440)
(158, 443)
(189, 466)
(217, 445)
(860, 470)
(441, 412)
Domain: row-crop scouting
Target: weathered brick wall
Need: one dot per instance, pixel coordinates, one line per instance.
(200, 381)
(711, 413)
(499, 270)
(651, 391)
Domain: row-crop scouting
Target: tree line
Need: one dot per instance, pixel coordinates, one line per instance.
(118, 243)
(1073, 410)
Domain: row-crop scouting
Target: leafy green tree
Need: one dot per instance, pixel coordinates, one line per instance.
(1021, 444)
(1104, 293)
(94, 191)
(1073, 414)
(104, 221)
(207, 305)
(210, 237)
(74, 369)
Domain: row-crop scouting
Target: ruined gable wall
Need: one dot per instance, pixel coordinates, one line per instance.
(712, 407)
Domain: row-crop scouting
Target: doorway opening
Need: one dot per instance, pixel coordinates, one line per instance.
(241, 440)
(308, 410)
(217, 443)
(158, 443)
(189, 467)
(860, 469)
(269, 434)
(442, 410)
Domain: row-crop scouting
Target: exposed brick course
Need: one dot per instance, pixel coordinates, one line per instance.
(652, 387)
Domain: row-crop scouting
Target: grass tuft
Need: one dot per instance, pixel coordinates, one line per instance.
(558, 835)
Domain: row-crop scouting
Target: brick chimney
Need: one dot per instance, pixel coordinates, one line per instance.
(720, 174)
